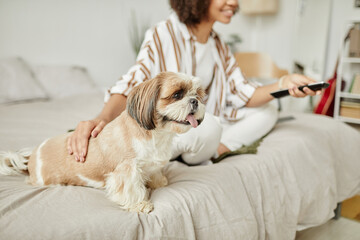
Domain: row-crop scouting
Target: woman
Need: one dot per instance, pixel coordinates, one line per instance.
(187, 43)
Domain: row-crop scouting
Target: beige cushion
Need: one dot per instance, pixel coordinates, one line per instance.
(17, 82)
(62, 81)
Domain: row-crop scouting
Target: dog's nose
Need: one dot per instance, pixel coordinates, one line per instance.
(194, 104)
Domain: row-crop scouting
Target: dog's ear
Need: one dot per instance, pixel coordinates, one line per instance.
(141, 102)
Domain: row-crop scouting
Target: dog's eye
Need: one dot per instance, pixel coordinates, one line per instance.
(179, 94)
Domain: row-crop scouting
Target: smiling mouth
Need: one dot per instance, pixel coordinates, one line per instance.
(190, 120)
(228, 13)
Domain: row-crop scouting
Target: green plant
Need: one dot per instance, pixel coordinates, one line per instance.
(233, 40)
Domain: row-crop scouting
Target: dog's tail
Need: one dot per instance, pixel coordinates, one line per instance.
(14, 163)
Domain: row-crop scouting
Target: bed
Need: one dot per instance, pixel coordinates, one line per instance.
(302, 169)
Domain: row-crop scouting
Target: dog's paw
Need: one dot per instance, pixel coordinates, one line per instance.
(164, 182)
(158, 182)
(144, 206)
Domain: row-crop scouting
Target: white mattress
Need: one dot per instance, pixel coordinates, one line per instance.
(302, 169)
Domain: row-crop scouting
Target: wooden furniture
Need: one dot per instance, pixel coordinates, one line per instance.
(259, 7)
(258, 65)
(343, 96)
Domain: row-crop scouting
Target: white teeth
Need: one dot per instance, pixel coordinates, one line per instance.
(228, 12)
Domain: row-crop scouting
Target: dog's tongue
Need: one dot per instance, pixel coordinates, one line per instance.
(191, 119)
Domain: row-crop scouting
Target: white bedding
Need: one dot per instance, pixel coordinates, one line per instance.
(28, 124)
(302, 169)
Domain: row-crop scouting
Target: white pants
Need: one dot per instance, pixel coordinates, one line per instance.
(200, 144)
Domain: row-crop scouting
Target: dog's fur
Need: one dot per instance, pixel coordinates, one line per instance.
(129, 153)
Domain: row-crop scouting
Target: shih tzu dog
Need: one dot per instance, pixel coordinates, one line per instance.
(130, 152)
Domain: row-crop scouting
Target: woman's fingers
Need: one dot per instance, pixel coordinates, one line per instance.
(83, 139)
(310, 92)
(69, 148)
(98, 129)
(79, 140)
(301, 80)
(295, 92)
(296, 80)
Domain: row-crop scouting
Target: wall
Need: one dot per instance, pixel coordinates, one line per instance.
(90, 33)
(95, 33)
(310, 44)
(272, 34)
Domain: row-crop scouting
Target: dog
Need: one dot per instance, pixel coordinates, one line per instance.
(128, 155)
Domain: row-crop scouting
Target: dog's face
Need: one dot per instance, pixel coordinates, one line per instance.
(170, 101)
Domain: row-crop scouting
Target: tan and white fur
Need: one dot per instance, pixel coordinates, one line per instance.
(130, 152)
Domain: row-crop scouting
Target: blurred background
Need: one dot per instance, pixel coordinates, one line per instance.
(99, 35)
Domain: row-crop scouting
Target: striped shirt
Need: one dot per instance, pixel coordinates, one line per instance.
(169, 46)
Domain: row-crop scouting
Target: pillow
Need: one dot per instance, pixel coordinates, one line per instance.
(17, 82)
(62, 81)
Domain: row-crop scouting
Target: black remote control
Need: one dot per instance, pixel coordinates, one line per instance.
(312, 86)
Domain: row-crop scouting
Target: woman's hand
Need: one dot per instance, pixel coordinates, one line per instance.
(79, 140)
(293, 81)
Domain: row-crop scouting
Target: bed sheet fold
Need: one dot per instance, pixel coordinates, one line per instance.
(301, 170)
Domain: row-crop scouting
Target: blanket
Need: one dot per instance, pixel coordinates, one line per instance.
(301, 170)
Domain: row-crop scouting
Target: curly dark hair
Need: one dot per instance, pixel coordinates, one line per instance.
(191, 12)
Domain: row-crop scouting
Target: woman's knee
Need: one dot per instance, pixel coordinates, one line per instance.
(210, 128)
(263, 116)
(205, 142)
(207, 135)
(256, 123)
(268, 110)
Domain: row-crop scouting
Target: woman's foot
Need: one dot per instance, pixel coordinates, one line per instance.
(222, 149)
